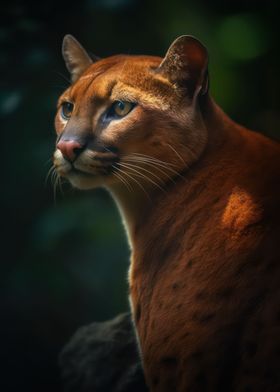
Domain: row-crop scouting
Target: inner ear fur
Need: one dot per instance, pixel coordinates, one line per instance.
(75, 56)
(185, 64)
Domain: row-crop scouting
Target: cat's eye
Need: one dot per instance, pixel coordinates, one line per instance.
(66, 110)
(120, 109)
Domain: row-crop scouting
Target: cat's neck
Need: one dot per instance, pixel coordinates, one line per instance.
(133, 207)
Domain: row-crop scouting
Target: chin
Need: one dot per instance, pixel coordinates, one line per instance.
(86, 182)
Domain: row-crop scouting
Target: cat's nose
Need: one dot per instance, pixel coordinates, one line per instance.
(70, 149)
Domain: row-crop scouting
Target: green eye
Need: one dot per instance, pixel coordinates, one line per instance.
(121, 108)
(66, 110)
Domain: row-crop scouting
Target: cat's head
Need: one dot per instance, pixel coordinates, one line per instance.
(131, 121)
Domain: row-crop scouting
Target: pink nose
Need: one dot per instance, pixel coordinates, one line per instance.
(70, 149)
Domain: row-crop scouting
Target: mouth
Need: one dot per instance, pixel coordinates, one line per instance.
(89, 169)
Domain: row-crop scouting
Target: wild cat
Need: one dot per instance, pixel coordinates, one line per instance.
(199, 197)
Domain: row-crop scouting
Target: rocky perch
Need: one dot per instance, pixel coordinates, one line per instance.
(103, 357)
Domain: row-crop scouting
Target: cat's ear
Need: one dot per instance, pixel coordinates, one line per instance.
(185, 64)
(75, 56)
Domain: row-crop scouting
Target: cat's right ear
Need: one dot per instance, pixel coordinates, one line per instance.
(185, 64)
(75, 56)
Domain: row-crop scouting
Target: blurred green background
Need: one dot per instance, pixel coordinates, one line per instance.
(64, 263)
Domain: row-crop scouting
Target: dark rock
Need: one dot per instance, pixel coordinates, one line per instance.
(103, 357)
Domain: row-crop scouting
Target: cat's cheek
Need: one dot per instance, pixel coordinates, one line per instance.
(119, 132)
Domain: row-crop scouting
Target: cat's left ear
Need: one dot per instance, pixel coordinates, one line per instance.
(185, 65)
(75, 56)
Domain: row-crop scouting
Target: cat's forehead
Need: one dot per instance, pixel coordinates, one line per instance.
(121, 66)
(125, 75)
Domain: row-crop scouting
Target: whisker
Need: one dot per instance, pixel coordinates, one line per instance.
(178, 155)
(154, 161)
(63, 77)
(156, 166)
(153, 158)
(56, 181)
(151, 162)
(137, 182)
(143, 176)
(106, 148)
(55, 187)
(123, 180)
(53, 177)
(48, 161)
(145, 170)
(60, 87)
(189, 148)
(49, 174)
(60, 185)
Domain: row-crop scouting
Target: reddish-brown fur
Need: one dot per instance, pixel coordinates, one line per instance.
(205, 269)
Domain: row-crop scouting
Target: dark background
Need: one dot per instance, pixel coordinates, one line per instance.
(64, 262)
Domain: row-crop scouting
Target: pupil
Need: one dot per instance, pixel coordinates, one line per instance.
(121, 105)
(67, 109)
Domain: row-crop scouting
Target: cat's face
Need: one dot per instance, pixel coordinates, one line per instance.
(125, 122)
